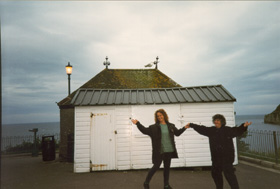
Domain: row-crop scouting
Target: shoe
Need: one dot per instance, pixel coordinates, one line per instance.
(146, 185)
(167, 187)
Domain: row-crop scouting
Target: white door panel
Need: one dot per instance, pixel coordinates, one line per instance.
(102, 141)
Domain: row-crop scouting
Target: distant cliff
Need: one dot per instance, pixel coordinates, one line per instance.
(273, 117)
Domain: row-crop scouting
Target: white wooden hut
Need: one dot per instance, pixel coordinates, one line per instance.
(105, 138)
(106, 79)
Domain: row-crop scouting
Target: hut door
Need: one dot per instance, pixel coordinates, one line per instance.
(102, 141)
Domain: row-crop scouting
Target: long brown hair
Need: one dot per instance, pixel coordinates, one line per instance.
(162, 111)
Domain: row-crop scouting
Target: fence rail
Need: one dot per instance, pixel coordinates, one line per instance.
(253, 143)
(260, 144)
(24, 144)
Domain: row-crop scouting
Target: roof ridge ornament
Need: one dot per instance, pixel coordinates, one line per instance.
(106, 63)
(156, 63)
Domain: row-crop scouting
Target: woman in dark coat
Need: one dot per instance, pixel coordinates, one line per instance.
(162, 136)
(222, 148)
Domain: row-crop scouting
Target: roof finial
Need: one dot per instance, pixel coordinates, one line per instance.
(106, 63)
(156, 62)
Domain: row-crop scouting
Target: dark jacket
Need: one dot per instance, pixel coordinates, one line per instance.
(154, 132)
(221, 144)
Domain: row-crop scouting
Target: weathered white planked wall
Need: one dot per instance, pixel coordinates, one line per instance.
(123, 137)
(82, 139)
(133, 150)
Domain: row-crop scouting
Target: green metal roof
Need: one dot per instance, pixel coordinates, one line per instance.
(199, 94)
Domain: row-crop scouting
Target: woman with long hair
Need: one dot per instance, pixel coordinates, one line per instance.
(163, 144)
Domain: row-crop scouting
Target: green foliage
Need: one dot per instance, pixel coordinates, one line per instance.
(20, 148)
(243, 149)
(261, 155)
(242, 146)
(27, 147)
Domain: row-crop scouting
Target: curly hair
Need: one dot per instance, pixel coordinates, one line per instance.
(162, 111)
(221, 118)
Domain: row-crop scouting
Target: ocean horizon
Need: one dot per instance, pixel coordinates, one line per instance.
(52, 128)
(22, 129)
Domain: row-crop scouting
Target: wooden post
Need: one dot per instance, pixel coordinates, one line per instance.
(275, 147)
(237, 146)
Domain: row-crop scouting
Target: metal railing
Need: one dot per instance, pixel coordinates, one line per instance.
(260, 144)
(24, 144)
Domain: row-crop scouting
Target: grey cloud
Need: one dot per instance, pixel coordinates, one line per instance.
(199, 43)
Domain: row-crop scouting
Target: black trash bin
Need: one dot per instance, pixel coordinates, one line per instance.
(48, 148)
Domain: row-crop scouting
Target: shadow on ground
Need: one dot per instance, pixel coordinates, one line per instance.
(32, 172)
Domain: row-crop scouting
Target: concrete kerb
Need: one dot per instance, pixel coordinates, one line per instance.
(263, 163)
(260, 162)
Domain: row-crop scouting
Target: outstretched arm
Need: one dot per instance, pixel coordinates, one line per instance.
(144, 130)
(203, 130)
(238, 131)
(178, 132)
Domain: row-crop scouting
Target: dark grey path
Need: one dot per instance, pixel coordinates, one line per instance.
(29, 172)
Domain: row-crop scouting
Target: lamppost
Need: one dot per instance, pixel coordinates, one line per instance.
(69, 72)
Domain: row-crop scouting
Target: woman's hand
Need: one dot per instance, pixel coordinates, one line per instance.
(187, 126)
(134, 121)
(246, 124)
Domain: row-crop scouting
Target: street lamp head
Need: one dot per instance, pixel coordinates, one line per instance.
(68, 69)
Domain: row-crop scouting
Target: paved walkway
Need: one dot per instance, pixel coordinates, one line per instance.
(31, 172)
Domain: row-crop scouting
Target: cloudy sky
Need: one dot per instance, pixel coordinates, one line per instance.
(235, 44)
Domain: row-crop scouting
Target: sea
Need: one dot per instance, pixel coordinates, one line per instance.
(53, 128)
(50, 128)
(257, 123)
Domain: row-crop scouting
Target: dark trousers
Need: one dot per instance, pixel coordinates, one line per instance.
(166, 158)
(229, 174)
